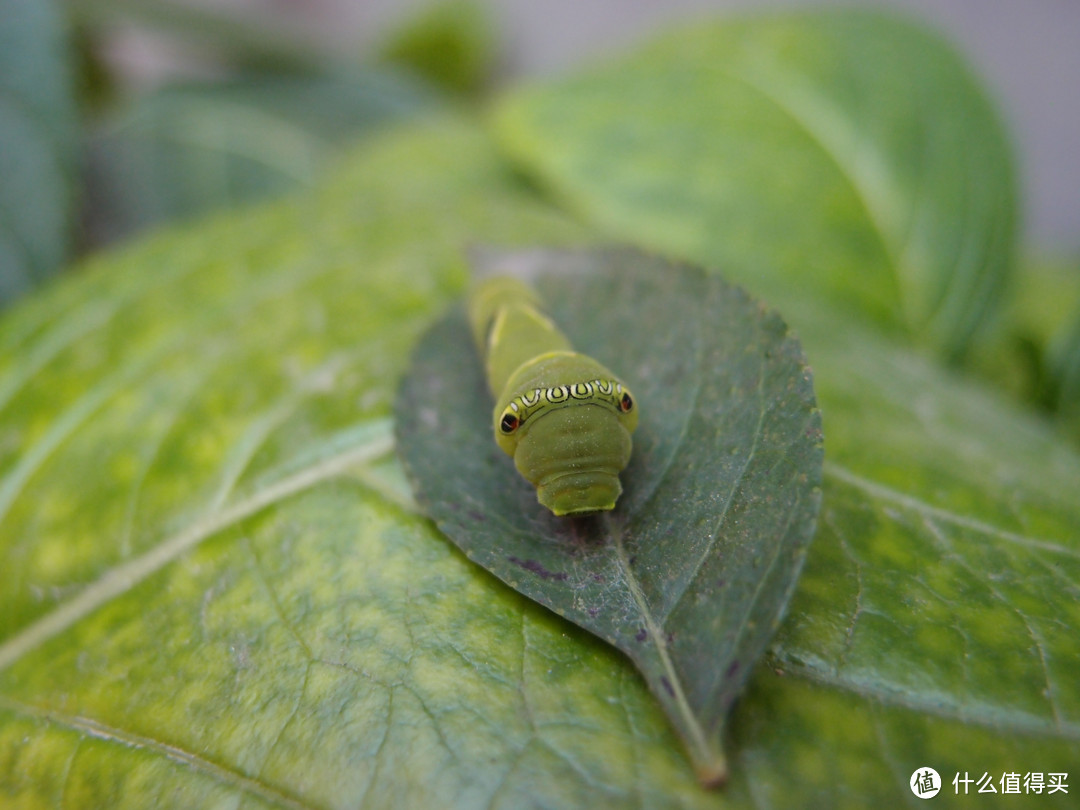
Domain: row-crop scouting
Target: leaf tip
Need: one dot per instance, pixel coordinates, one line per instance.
(712, 774)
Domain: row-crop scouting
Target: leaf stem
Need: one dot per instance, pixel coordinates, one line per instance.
(709, 762)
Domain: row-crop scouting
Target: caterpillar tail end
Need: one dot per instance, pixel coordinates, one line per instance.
(580, 493)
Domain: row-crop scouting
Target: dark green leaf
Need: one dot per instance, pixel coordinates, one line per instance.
(38, 129)
(690, 573)
(190, 149)
(843, 156)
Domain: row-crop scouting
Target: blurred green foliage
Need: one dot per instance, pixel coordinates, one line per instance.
(277, 115)
(329, 646)
(452, 44)
(187, 149)
(38, 143)
(284, 106)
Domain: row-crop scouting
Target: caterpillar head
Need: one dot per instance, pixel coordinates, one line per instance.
(571, 439)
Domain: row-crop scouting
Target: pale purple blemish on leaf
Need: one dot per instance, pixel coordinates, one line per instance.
(667, 686)
(538, 569)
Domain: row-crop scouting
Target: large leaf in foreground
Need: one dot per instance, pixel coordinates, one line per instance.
(199, 606)
(330, 649)
(840, 155)
(689, 574)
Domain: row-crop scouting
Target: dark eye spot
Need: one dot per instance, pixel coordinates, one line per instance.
(626, 403)
(509, 423)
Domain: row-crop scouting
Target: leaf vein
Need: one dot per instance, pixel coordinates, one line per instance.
(938, 704)
(684, 428)
(279, 610)
(288, 720)
(849, 637)
(224, 774)
(944, 542)
(922, 508)
(752, 601)
(126, 576)
(815, 124)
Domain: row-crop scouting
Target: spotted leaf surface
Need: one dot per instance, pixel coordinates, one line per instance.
(216, 591)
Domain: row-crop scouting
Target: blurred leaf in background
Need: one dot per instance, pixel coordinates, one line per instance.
(868, 138)
(193, 148)
(221, 34)
(38, 144)
(1064, 375)
(282, 109)
(1032, 351)
(219, 591)
(452, 44)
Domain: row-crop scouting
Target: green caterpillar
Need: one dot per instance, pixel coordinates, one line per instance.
(564, 418)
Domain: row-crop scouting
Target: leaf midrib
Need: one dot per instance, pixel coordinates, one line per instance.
(893, 253)
(91, 400)
(706, 758)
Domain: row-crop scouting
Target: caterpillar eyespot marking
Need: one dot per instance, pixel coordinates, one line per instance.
(597, 392)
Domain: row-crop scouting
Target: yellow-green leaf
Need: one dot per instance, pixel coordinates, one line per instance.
(842, 155)
(199, 606)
